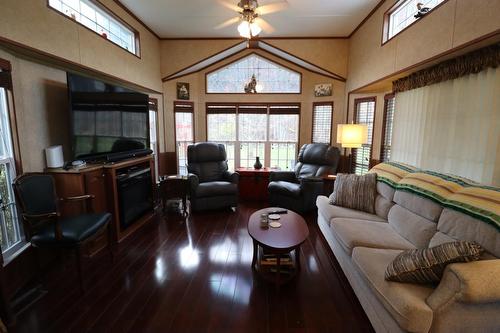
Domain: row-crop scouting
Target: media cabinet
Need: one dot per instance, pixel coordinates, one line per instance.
(105, 182)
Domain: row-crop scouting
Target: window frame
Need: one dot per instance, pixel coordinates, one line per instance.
(6, 84)
(153, 107)
(262, 93)
(189, 109)
(315, 104)
(387, 97)
(269, 111)
(392, 9)
(358, 101)
(109, 12)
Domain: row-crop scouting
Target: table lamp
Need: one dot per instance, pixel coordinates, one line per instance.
(352, 135)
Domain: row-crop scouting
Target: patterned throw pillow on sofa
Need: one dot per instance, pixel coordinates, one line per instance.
(356, 192)
(427, 265)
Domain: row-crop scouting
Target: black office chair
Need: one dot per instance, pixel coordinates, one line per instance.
(297, 190)
(37, 198)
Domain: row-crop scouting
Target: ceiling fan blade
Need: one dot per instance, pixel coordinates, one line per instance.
(272, 8)
(228, 23)
(229, 5)
(264, 25)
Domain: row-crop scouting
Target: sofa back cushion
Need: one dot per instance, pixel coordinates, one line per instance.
(415, 228)
(419, 205)
(464, 227)
(207, 160)
(317, 160)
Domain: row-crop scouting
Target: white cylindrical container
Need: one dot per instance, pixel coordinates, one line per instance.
(54, 156)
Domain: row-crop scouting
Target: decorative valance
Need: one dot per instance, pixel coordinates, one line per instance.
(470, 63)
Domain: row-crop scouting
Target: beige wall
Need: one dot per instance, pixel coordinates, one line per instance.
(454, 23)
(32, 23)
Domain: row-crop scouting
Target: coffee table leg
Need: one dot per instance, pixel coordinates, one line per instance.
(297, 258)
(255, 249)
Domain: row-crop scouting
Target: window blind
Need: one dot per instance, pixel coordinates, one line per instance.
(385, 152)
(221, 108)
(322, 122)
(183, 107)
(364, 114)
(292, 108)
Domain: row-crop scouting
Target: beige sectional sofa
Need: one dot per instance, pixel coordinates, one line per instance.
(468, 297)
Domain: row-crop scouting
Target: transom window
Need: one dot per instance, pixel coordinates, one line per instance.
(270, 77)
(93, 16)
(364, 114)
(402, 15)
(270, 132)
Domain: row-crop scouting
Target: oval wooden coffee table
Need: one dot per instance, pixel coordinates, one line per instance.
(277, 241)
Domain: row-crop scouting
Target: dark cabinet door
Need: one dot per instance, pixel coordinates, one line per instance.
(95, 184)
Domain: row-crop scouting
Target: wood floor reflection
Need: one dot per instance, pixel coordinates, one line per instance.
(195, 276)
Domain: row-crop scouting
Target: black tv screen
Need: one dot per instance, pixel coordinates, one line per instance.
(106, 119)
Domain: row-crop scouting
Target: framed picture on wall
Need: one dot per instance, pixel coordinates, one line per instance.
(182, 90)
(323, 89)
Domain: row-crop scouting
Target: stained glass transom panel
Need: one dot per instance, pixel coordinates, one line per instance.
(271, 77)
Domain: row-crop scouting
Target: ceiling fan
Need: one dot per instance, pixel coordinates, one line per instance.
(250, 16)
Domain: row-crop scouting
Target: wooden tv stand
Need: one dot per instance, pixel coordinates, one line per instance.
(100, 180)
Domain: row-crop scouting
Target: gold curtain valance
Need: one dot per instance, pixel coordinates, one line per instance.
(470, 63)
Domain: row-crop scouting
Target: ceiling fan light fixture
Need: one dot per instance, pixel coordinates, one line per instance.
(255, 29)
(244, 29)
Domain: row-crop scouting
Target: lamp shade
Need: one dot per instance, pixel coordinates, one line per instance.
(352, 135)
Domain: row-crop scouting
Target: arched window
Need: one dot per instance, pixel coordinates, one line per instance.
(270, 76)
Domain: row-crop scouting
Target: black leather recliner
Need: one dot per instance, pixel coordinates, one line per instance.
(297, 190)
(212, 186)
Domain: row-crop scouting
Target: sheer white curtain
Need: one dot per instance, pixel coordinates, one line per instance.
(451, 127)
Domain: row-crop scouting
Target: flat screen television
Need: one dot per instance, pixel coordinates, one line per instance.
(107, 122)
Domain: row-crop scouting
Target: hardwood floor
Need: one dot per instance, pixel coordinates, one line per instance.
(195, 276)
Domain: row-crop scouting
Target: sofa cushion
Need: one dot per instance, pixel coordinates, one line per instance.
(406, 302)
(210, 189)
(331, 211)
(352, 233)
(418, 205)
(440, 238)
(427, 265)
(382, 206)
(464, 227)
(356, 192)
(385, 190)
(285, 188)
(411, 226)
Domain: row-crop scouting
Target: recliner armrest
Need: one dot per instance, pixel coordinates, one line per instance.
(473, 282)
(194, 181)
(287, 176)
(232, 177)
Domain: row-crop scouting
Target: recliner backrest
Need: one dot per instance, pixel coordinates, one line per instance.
(316, 160)
(207, 160)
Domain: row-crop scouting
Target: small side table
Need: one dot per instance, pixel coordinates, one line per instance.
(174, 187)
(253, 183)
(328, 184)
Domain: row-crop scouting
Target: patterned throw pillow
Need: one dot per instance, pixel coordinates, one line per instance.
(356, 192)
(427, 265)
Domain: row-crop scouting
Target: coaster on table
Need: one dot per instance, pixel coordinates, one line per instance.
(275, 224)
(274, 216)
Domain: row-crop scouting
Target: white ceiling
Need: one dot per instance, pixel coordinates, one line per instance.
(302, 18)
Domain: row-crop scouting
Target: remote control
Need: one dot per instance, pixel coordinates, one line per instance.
(278, 211)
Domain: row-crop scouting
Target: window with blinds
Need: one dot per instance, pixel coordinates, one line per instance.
(385, 152)
(364, 113)
(269, 131)
(322, 122)
(184, 132)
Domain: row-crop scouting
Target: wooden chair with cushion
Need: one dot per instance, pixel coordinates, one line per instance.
(43, 226)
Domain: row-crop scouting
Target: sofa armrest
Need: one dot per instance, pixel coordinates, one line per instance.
(287, 176)
(194, 181)
(232, 177)
(474, 282)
